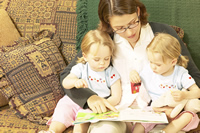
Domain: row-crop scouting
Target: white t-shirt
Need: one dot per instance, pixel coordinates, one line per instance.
(99, 82)
(157, 85)
(126, 59)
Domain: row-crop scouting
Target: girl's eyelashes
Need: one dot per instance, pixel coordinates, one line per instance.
(96, 59)
(106, 59)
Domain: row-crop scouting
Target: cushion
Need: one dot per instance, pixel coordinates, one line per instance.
(3, 100)
(8, 31)
(29, 77)
(59, 16)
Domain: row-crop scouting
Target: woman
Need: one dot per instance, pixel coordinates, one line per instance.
(126, 22)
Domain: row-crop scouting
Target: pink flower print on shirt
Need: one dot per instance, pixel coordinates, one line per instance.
(112, 77)
(167, 86)
(100, 80)
(96, 80)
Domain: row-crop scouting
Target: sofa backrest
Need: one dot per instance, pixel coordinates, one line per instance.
(182, 13)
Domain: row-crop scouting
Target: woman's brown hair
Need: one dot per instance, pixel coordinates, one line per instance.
(108, 8)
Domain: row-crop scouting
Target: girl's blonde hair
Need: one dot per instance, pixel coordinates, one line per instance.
(95, 37)
(169, 47)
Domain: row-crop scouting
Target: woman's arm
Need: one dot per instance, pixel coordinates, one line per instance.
(79, 96)
(192, 68)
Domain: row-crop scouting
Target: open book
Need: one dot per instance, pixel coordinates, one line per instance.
(131, 115)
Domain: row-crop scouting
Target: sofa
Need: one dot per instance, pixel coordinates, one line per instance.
(37, 41)
(39, 38)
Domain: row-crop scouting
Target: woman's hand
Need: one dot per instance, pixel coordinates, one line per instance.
(99, 105)
(134, 77)
(80, 83)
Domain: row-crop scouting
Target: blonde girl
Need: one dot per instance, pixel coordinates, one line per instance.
(166, 71)
(93, 72)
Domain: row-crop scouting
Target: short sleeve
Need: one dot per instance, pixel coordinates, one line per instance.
(111, 76)
(187, 80)
(77, 70)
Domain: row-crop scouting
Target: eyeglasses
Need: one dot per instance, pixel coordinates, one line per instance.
(131, 26)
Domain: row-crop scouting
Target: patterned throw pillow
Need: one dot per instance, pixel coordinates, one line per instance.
(29, 77)
(59, 16)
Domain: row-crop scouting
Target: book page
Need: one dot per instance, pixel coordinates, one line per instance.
(84, 117)
(131, 115)
(139, 115)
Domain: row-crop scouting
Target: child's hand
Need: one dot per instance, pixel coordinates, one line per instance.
(80, 83)
(134, 77)
(159, 109)
(166, 109)
(178, 95)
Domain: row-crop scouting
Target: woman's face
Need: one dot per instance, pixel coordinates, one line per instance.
(120, 22)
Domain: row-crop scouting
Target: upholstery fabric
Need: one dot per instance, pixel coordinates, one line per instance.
(10, 123)
(3, 100)
(62, 21)
(87, 18)
(30, 77)
(8, 32)
(59, 16)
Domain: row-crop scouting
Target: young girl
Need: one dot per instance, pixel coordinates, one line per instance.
(93, 71)
(167, 71)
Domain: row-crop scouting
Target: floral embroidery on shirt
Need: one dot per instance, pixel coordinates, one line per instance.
(167, 86)
(112, 77)
(97, 80)
(100, 80)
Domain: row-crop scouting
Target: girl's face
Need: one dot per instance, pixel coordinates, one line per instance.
(98, 57)
(131, 34)
(160, 67)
